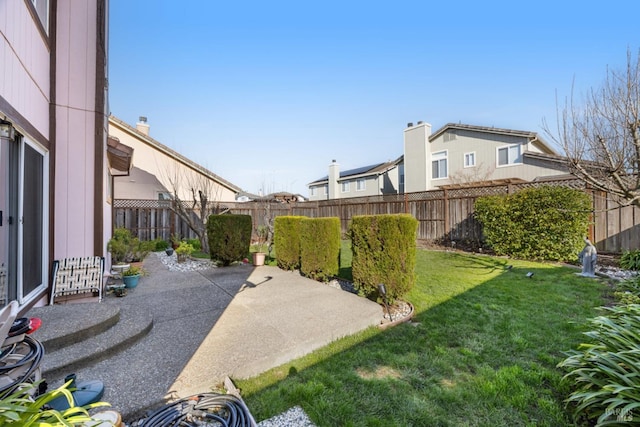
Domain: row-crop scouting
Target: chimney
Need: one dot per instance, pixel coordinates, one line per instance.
(142, 125)
(334, 176)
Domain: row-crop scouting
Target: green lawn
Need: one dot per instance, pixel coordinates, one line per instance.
(483, 352)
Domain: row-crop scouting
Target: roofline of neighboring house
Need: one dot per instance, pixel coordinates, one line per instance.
(376, 170)
(172, 153)
(533, 136)
(556, 158)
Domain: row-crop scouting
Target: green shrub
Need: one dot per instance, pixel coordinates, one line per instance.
(605, 373)
(319, 247)
(384, 251)
(120, 245)
(628, 291)
(547, 223)
(160, 245)
(286, 239)
(229, 237)
(140, 249)
(195, 243)
(630, 260)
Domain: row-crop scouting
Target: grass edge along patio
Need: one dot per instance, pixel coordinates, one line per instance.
(481, 350)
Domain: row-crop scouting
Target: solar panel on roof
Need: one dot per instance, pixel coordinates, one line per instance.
(358, 171)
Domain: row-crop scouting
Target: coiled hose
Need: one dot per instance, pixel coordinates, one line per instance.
(198, 410)
(19, 362)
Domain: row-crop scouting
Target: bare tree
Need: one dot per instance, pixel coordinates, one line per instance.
(201, 202)
(477, 174)
(601, 136)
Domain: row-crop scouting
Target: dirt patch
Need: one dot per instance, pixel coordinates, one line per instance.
(380, 373)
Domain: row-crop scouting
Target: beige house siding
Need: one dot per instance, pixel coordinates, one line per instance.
(159, 169)
(380, 180)
(456, 143)
(416, 139)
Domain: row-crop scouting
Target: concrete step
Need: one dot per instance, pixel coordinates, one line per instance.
(78, 335)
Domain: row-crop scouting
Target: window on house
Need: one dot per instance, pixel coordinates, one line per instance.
(345, 186)
(42, 9)
(439, 165)
(361, 184)
(314, 191)
(326, 189)
(469, 159)
(509, 155)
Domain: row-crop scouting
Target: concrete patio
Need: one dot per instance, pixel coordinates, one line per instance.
(181, 333)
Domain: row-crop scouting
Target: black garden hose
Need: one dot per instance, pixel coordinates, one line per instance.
(196, 410)
(19, 362)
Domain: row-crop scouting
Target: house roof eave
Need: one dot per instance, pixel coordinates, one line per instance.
(172, 153)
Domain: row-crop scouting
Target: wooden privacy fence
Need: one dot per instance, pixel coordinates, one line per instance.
(443, 216)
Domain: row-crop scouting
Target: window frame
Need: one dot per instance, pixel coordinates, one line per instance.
(38, 8)
(470, 154)
(438, 157)
(348, 186)
(510, 161)
(362, 187)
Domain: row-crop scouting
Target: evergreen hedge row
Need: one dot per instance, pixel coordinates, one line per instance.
(546, 223)
(384, 251)
(319, 247)
(286, 239)
(229, 237)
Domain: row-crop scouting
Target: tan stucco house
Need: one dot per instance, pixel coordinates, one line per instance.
(157, 170)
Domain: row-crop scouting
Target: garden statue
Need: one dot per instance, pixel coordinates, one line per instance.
(588, 258)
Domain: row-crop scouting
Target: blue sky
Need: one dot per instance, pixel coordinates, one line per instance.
(266, 94)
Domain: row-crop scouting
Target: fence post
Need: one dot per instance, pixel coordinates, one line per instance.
(447, 225)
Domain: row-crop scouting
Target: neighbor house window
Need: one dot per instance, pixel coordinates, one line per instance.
(509, 155)
(326, 189)
(439, 165)
(314, 191)
(345, 186)
(361, 184)
(469, 160)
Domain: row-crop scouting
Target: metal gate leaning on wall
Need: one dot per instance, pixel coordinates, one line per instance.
(443, 215)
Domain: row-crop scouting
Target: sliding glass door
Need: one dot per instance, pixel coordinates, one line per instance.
(24, 219)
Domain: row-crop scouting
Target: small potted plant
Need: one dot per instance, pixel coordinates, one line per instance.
(131, 277)
(184, 251)
(262, 234)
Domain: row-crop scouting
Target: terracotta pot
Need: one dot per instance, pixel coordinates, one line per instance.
(258, 258)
